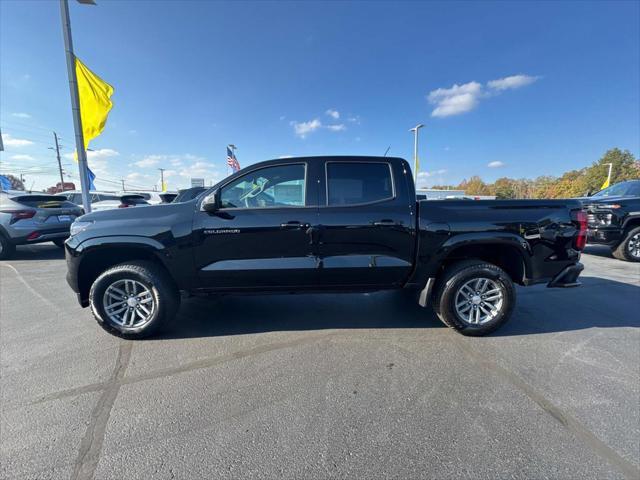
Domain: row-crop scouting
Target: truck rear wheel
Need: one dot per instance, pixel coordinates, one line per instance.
(474, 297)
(629, 248)
(134, 300)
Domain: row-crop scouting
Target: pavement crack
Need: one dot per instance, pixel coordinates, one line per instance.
(91, 444)
(604, 451)
(187, 367)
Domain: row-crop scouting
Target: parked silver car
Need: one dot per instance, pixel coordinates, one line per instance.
(34, 218)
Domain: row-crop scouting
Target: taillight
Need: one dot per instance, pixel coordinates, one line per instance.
(124, 205)
(19, 215)
(580, 240)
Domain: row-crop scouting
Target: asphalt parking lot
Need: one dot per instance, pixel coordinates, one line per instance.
(346, 386)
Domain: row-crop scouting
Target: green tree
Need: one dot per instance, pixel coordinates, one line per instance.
(624, 167)
(505, 188)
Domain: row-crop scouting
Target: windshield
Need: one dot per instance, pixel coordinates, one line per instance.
(622, 189)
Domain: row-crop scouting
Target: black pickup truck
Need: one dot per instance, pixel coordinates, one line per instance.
(323, 224)
(613, 217)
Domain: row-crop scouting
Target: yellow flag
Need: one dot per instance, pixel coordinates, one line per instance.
(605, 184)
(95, 102)
(164, 186)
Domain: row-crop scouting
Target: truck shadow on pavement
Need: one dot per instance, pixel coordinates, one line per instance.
(598, 251)
(44, 251)
(539, 310)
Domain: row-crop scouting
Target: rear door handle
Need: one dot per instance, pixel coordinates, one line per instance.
(294, 224)
(385, 223)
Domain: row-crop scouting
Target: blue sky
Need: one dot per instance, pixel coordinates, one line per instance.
(504, 89)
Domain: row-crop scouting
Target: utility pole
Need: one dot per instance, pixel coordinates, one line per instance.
(161, 178)
(55, 136)
(123, 189)
(75, 103)
(415, 151)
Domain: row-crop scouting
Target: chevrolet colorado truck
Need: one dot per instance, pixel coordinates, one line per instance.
(613, 217)
(322, 224)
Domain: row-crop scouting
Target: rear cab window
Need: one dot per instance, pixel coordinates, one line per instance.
(358, 183)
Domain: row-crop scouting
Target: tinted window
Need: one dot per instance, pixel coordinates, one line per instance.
(354, 183)
(281, 186)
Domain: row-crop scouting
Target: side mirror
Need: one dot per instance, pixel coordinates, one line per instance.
(211, 202)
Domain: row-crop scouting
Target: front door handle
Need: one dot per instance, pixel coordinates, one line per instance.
(385, 223)
(294, 224)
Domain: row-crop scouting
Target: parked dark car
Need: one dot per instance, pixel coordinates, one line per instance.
(188, 194)
(34, 218)
(326, 224)
(613, 216)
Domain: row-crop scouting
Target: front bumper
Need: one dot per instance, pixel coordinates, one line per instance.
(604, 236)
(568, 277)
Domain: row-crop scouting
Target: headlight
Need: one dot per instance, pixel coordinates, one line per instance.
(613, 206)
(77, 227)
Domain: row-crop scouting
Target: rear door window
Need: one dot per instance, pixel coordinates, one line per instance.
(351, 183)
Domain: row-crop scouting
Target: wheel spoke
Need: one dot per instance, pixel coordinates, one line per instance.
(493, 298)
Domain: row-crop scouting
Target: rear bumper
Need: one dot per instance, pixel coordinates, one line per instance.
(28, 237)
(568, 277)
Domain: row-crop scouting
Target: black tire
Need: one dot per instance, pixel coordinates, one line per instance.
(59, 242)
(7, 249)
(624, 250)
(166, 297)
(454, 279)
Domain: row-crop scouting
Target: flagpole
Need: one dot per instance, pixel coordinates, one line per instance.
(75, 105)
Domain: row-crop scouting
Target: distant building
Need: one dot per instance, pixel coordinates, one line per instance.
(61, 187)
(434, 194)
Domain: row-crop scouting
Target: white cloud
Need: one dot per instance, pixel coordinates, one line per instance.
(98, 160)
(147, 162)
(22, 157)
(333, 114)
(176, 162)
(355, 119)
(463, 98)
(425, 174)
(10, 141)
(20, 115)
(495, 164)
(336, 128)
(302, 129)
(511, 82)
(455, 100)
(282, 117)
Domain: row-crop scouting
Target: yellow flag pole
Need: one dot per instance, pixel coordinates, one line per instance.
(75, 105)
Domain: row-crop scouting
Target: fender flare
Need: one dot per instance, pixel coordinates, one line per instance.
(459, 241)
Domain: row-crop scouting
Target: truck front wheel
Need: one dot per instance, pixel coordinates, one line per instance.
(629, 248)
(474, 297)
(134, 300)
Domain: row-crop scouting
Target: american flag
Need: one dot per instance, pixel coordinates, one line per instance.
(232, 161)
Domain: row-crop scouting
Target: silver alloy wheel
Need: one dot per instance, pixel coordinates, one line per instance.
(634, 246)
(479, 301)
(128, 303)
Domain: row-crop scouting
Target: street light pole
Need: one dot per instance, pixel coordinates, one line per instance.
(75, 105)
(415, 151)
